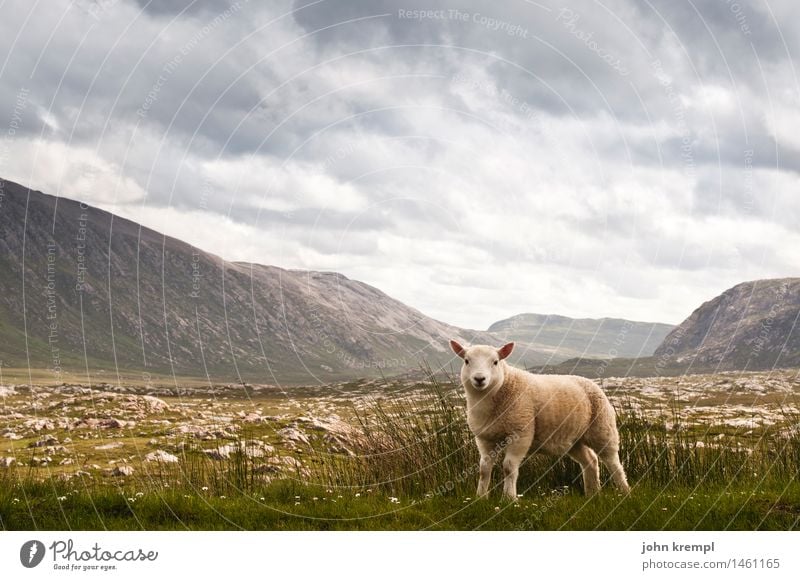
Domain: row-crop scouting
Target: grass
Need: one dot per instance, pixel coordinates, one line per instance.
(291, 505)
(413, 465)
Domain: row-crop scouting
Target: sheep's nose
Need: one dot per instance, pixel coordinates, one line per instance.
(479, 379)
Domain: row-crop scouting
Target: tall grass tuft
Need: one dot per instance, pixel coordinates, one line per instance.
(421, 445)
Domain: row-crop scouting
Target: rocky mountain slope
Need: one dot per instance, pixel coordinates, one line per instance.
(81, 287)
(754, 325)
(584, 337)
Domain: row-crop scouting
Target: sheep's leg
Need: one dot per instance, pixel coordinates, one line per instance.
(486, 466)
(515, 453)
(587, 459)
(610, 458)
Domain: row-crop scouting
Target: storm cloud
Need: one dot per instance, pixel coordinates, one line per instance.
(473, 159)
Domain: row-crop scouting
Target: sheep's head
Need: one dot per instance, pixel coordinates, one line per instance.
(482, 368)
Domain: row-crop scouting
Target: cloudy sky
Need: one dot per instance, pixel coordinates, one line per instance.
(624, 158)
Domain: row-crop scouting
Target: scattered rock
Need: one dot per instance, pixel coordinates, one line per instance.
(46, 440)
(53, 449)
(207, 433)
(122, 471)
(293, 435)
(105, 423)
(253, 418)
(161, 456)
(7, 461)
(66, 461)
(249, 448)
(113, 423)
(282, 464)
(107, 446)
(39, 424)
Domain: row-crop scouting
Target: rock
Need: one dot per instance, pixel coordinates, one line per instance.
(161, 456)
(293, 435)
(66, 461)
(253, 418)
(107, 446)
(41, 461)
(46, 440)
(143, 405)
(206, 433)
(105, 423)
(113, 423)
(122, 471)
(53, 449)
(7, 461)
(280, 464)
(39, 424)
(13, 436)
(249, 448)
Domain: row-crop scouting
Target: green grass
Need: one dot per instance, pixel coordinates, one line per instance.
(292, 506)
(414, 466)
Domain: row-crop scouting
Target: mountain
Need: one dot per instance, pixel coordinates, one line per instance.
(754, 325)
(82, 289)
(583, 337)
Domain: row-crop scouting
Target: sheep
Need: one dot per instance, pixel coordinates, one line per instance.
(511, 409)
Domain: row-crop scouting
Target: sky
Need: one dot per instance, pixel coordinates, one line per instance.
(474, 160)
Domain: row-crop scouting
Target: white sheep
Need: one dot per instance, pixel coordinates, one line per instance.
(513, 410)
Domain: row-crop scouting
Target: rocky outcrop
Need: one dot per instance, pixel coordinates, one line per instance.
(754, 325)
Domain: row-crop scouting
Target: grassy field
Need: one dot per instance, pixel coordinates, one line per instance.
(408, 463)
(296, 506)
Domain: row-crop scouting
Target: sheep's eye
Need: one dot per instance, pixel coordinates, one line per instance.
(495, 363)
(466, 362)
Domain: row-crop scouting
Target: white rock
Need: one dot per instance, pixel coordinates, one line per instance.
(107, 446)
(161, 456)
(122, 471)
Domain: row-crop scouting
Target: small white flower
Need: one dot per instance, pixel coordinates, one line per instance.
(204, 488)
(394, 500)
(357, 495)
(62, 498)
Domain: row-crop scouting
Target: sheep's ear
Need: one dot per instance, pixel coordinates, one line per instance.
(457, 348)
(505, 350)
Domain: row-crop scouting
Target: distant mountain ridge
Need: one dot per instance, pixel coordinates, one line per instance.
(754, 325)
(583, 337)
